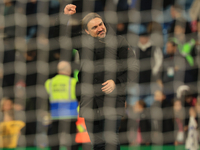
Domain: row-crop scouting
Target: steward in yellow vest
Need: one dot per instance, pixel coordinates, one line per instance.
(63, 108)
(63, 103)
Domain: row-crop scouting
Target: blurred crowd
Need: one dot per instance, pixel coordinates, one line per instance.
(163, 106)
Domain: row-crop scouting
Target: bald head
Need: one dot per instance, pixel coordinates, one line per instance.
(64, 68)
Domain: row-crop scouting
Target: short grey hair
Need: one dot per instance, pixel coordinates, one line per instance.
(87, 19)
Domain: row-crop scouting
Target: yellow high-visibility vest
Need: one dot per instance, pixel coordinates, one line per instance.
(62, 96)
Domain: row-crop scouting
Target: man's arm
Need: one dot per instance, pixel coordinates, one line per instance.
(66, 41)
(63, 19)
(46, 85)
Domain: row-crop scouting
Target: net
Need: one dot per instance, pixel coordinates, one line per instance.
(149, 48)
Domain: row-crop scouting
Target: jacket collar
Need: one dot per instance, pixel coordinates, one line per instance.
(144, 47)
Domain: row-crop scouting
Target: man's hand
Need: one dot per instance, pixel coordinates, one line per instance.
(109, 86)
(70, 9)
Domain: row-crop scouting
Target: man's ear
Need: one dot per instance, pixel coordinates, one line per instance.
(87, 31)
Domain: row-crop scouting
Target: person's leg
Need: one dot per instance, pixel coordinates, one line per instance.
(111, 132)
(104, 133)
(53, 136)
(70, 129)
(63, 126)
(86, 146)
(95, 131)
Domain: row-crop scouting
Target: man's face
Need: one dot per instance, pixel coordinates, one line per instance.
(179, 30)
(198, 27)
(144, 39)
(170, 48)
(177, 106)
(158, 96)
(7, 105)
(96, 28)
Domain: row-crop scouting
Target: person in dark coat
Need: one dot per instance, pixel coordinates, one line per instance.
(139, 124)
(161, 119)
(107, 66)
(180, 127)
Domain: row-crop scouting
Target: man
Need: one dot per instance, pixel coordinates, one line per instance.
(11, 124)
(139, 124)
(176, 69)
(63, 106)
(150, 59)
(107, 65)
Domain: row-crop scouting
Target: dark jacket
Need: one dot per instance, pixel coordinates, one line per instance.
(102, 60)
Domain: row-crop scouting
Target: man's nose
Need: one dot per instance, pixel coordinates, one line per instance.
(99, 28)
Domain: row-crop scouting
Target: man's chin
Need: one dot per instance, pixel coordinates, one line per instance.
(103, 35)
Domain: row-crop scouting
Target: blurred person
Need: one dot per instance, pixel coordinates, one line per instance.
(54, 55)
(150, 61)
(161, 119)
(197, 108)
(160, 98)
(195, 52)
(182, 38)
(186, 46)
(63, 107)
(194, 10)
(8, 31)
(43, 124)
(10, 131)
(145, 50)
(31, 13)
(8, 76)
(189, 99)
(103, 89)
(172, 14)
(31, 67)
(121, 28)
(192, 137)
(198, 31)
(176, 70)
(139, 124)
(155, 28)
(122, 8)
(20, 94)
(7, 105)
(30, 55)
(10, 126)
(157, 119)
(177, 14)
(9, 25)
(179, 122)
